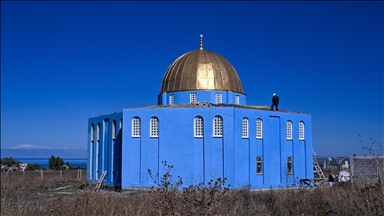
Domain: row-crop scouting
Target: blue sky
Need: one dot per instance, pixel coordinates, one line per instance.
(62, 62)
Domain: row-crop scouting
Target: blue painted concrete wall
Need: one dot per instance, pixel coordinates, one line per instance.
(128, 158)
(183, 97)
(104, 154)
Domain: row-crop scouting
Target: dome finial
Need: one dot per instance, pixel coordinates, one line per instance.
(201, 41)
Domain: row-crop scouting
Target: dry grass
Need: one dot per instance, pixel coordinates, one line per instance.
(31, 195)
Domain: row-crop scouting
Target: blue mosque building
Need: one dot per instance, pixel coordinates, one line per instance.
(202, 126)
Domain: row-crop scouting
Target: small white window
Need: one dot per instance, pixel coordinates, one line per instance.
(136, 127)
(218, 126)
(121, 124)
(244, 128)
(237, 99)
(92, 132)
(198, 127)
(98, 131)
(259, 128)
(219, 98)
(301, 130)
(114, 129)
(154, 127)
(172, 99)
(289, 130)
(192, 98)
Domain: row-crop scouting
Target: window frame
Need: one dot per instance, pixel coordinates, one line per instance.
(98, 132)
(92, 138)
(259, 160)
(288, 130)
(259, 128)
(154, 127)
(192, 98)
(301, 130)
(289, 162)
(171, 99)
(198, 127)
(136, 127)
(244, 128)
(219, 98)
(237, 99)
(218, 126)
(113, 129)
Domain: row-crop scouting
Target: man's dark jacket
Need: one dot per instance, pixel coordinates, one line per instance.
(275, 100)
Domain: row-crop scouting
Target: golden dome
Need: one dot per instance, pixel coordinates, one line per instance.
(201, 70)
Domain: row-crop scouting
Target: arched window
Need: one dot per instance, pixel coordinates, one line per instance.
(289, 130)
(244, 128)
(114, 129)
(92, 132)
(98, 131)
(198, 127)
(218, 126)
(301, 130)
(136, 127)
(154, 127)
(259, 128)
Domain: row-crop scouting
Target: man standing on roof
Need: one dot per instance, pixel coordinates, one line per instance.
(275, 101)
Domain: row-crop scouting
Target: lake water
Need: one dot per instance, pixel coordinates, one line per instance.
(43, 162)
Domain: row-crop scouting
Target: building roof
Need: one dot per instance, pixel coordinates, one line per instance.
(208, 105)
(212, 105)
(201, 70)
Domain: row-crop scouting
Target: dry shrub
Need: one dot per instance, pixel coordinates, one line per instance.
(103, 203)
(214, 198)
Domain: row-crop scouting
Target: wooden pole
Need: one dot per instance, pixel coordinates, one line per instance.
(41, 173)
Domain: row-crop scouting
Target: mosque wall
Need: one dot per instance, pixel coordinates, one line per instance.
(200, 159)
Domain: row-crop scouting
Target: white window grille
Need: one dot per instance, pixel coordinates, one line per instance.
(198, 127)
(192, 98)
(301, 130)
(259, 128)
(98, 131)
(92, 132)
(237, 99)
(154, 127)
(290, 165)
(289, 130)
(114, 129)
(259, 165)
(172, 99)
(121, 124)
(219, 98)
(218, 126)
(244, 128)
(136, 127)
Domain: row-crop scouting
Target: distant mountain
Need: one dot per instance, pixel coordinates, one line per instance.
(35, 151)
